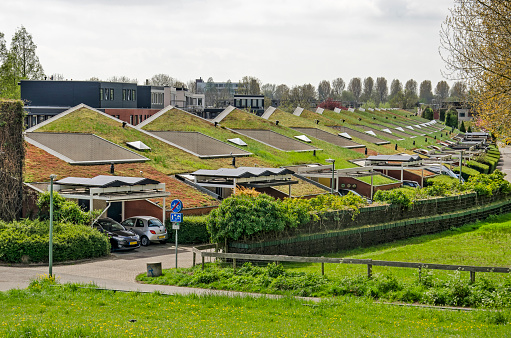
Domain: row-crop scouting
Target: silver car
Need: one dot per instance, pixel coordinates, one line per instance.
(149, 228)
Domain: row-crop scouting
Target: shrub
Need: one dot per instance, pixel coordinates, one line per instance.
(466, 172)
(63, 210)
(489, 184)
(241, 216)
(402, 196)
(480, 167)
(193, 230)
(28, 241)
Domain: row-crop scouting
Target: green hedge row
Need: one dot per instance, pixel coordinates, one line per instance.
(193, 230)
(491, 158)
(466, 172)
(480, 167)
(28, 241)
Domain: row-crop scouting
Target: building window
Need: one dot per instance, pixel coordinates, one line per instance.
(111, 94)
(131, 119)
(134, 95)
(124, 94)
(101, 94)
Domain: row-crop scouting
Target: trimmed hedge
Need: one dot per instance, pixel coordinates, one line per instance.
(193, 230)
(28, 241)
(480, 167)
(466, 172)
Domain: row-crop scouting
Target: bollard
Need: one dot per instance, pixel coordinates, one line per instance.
(153, 269)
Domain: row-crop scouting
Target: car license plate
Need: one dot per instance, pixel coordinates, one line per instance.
(161, 237)
(133, 243)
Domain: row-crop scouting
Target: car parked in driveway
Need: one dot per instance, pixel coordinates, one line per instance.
(120, 237)
(149, 228)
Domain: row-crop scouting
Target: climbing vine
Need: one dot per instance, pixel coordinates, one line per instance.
(12, 159)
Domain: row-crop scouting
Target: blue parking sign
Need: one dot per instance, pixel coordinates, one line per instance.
(176, 217)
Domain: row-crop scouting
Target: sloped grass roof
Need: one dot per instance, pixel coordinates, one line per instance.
(40, 165)
(176, 119)
(164, 158)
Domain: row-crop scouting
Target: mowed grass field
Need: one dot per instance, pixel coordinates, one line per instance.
(68, 311)
(485, 243)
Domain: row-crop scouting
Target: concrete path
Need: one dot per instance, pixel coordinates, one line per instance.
(505, 162)
(118, 272)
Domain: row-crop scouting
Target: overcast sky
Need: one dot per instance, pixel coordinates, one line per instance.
(278, 41)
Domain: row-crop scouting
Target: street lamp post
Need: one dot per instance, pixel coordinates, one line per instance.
(50, 254)
(331, 160)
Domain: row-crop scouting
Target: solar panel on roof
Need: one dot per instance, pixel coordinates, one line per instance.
(400, 129)
(370, 132)
(345, 135)
(409, 127)
(387, 130)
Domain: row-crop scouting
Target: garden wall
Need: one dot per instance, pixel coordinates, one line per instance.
(375, 225)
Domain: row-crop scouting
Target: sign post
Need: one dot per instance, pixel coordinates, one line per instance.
(176, 217)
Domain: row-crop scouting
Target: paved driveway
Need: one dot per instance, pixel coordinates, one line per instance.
(121, 267)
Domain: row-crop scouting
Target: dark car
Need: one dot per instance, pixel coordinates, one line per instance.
(411, 184)
(120, 237)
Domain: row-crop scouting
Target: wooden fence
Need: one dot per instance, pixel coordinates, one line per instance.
(369, 262)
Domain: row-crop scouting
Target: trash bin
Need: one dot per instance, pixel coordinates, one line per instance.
(153, 269)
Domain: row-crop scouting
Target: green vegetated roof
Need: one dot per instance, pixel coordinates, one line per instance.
(377, 180)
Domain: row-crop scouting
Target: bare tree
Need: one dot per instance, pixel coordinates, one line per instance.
(268, 90)
(324, 90)
(338, 86)
(249, 85)
(355, 87)
(122, 78)
(162, 80)
(459, 90)
(382, 89)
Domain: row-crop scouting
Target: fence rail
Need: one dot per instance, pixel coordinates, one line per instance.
(369, 262)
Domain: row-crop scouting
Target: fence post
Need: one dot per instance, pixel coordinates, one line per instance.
(193, 262)
(472, 276)
(420, 274)
(202, 262)
(322, 268)
(234, 265)
(369, 271)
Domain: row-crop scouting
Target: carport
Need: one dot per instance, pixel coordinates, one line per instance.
(111, 189)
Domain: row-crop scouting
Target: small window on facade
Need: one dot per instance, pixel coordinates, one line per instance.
(131, 119)
(124, 94)
(111, 94)
(101, 94)
(134, 95)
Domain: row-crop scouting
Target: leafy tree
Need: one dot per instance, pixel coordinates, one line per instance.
(25, 61)
(282, 92)
(426, 91)
(451, 118)
(324, 90)
(442, 115)
(428, 113)
(331, 104)
(395, 87)
(475, 39)
(368, 88)
(442, 90)
(381, 89)
(338, 86)
(355, 87)
(18, 63)
(469, 130)
(462, 127)
(347, 96)
(398, 100)
(410, 94)
(303, 95)
(211, 93)
(162, 80)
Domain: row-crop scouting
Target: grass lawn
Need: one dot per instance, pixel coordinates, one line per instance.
(66, 311)
(378, 180)
(486, 243)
